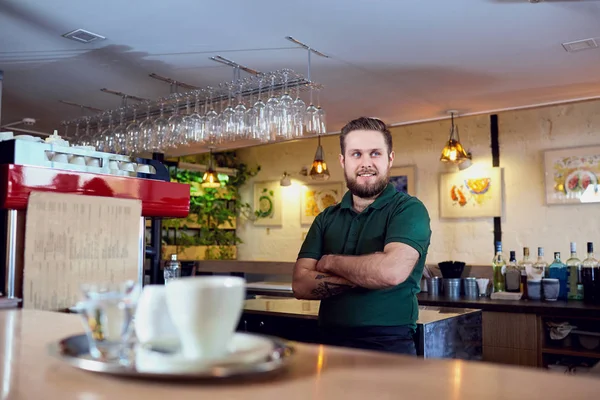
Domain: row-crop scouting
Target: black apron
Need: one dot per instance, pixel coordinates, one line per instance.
(391, 339)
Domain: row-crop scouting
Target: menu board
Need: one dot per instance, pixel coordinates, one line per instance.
(72, 239)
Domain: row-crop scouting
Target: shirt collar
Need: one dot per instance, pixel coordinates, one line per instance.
(383, 199)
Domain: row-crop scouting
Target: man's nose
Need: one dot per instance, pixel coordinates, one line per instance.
(366, 161)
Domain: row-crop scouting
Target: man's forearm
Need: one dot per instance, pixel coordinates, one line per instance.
(313, 285)
(373, 271)
(367, 271)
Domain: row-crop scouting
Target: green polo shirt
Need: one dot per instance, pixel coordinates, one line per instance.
(392, 217)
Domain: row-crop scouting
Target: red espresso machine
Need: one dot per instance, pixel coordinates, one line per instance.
(29, 164)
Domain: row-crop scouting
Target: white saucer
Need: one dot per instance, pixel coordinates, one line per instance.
(244, 349)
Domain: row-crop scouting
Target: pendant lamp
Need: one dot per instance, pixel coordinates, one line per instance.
(210, 178)
(319, 171)
(454, 152)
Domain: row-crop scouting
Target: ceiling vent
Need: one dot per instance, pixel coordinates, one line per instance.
(83, 36)
(579, 45)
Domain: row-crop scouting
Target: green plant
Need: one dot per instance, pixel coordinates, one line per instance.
(215, 207)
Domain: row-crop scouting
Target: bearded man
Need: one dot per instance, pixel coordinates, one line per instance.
(364, 257)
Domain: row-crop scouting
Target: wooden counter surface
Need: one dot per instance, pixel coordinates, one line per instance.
(318, 372)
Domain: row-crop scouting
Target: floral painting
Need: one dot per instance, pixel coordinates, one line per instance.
(267, 203)
(473, 193)
(569, 172)
(317, 197)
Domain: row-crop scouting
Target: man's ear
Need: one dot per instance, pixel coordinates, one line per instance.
(341, 157)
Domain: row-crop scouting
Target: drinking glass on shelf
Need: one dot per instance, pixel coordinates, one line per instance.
(107, 312)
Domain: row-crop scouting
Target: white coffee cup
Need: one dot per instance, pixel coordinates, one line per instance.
(206, 310)
(153, 322)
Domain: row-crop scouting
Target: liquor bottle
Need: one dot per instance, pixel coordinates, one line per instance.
(499, 267)
(525, 266)
(558, 270)
(172, 269)
(590, 277)
(538, 271)
(512, 277)
(574, 266)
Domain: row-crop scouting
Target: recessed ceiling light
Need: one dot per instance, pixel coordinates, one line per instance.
(83, 36)
(578, 45)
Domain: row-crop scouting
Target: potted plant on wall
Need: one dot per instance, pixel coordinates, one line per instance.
(209, 230)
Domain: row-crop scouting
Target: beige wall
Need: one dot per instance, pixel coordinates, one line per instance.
(527, 221)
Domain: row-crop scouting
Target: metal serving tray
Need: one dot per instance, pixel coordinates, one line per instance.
(74, 350)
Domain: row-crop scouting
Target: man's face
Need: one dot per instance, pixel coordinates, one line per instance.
(366, 163)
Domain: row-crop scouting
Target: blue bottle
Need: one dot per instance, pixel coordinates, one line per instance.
(558, 270)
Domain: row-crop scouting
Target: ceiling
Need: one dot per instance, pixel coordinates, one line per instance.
(402, 61)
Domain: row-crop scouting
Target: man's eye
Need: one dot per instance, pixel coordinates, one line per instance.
(356, 154)
(375, 154)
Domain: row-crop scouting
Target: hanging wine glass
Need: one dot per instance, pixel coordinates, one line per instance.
(146, 128)
(273, 111)
(321, 124)
(228, 117)
(86, 137)
(160, 129)
(98, 139)
(120, 135)
(201, 131)
(75, 137)
(311, 119)
(175, 131)
(108, 139)
(133, 131)
(298, 114)
(188, 122)
(213, 122)
(239, 116)
(285, 111)
(259, 123)
(249, 119)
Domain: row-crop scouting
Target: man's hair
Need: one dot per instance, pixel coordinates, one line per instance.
(366, 124)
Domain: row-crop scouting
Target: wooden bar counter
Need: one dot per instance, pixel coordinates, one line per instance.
(317, 372)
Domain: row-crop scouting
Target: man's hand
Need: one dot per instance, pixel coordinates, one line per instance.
(309, 284)
(324, 264)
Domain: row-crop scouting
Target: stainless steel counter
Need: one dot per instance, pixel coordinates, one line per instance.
(442, 332)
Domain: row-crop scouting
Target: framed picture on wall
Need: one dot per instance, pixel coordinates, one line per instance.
(572, 175)
(403, 179)
(316, 197)
(471, 193)
(267, 203)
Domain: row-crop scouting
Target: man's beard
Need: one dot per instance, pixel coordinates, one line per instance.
(369, 190)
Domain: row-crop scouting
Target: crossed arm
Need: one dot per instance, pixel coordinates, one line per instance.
(334, 274)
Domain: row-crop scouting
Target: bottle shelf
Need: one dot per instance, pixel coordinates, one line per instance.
(571, 352)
